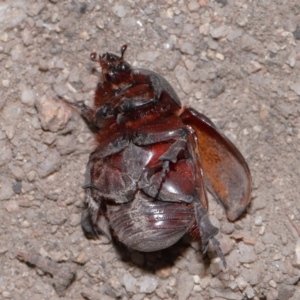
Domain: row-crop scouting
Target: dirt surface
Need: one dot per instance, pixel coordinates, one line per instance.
(236, 61)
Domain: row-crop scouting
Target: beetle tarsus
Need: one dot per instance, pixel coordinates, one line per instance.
(217, 247)
(85, 110)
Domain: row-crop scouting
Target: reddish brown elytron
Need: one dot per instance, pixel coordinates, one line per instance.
(147, 178)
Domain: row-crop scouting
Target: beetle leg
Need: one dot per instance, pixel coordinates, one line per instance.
(85, 111)
(172, 197)
(167, 185)
(104, 112)
(157, 87)
(175, 181)
(142, 138)
(207, 230)
(112, 185)
(87, 223)
(92, 221)
(218, 249)
(106, 148)
(150, 181)
(155, 182)
(94, 228)
(129, 104)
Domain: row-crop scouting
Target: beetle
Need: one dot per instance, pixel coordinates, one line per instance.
(154, 159)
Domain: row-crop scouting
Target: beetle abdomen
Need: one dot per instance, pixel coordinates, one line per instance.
(145, 224)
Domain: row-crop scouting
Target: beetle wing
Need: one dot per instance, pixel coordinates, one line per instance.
(226, 173)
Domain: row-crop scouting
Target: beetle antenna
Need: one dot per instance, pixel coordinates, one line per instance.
(123, 49)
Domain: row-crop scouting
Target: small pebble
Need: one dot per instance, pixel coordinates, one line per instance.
(50, 164)
(247, 254)
(53, 114)
(17, 172)
(163, 273)
(75, 220)
(219, 32)
(252, 67)
(204, 29)
(174, 60)
(190, 65)
(17, 187)
(242, 19)
(5, 83)
(297, 254)
(234, 34)
(183, 79)
(6, 295)
(129, 282)
(268, 238)
(219, 56)
(241, 282)
(216, 266)
(185, 286)
(12, 206)
(119, 10)
(187, 48)
(6, 189)
(31, 175)
(258, 220)
(296, 88)
(172, 281)
(148, 56)
(147, 284)
(272, 283)
(250, 292)
(193, 6)
(197, 279)
(82, 258)
(56, 216)
(66, 144)
(28, 97)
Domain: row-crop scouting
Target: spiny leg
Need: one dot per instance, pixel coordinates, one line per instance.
(85, 110)
(207, 230)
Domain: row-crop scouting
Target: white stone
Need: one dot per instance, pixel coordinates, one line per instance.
(119, 10)
(297, 254)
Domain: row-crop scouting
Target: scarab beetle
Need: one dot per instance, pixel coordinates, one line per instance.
(147, 177)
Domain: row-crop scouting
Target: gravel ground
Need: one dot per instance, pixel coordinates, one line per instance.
(236, 61)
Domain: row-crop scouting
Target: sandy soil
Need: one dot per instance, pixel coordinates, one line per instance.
(236, 61)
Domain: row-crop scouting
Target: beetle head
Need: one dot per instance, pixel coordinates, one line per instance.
(114, 68)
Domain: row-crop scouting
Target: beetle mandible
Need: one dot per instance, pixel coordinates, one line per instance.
(146, 179)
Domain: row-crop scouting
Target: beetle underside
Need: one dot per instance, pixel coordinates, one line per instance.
(146, 180)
